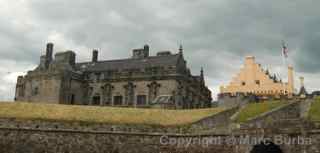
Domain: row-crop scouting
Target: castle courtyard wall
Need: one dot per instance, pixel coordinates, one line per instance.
(19, 140)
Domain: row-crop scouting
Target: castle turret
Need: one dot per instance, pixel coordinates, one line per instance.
(290, 81)
(202, 75)
(302, 81)
(303, 92)
(181, 49)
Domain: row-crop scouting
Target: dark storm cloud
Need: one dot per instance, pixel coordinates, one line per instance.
(216, 34)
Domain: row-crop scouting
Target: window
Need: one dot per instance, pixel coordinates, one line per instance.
(141, 100)
(243, 83)
(258, 82)
(35, 91)
(96, 100)
(117, 100)
(72, 100)
(107, 102)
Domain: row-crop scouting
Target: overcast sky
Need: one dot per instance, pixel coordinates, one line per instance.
(216, 34)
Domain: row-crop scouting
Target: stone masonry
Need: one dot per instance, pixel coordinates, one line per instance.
(131, 82)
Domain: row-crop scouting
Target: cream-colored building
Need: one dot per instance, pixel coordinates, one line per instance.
(254, 80)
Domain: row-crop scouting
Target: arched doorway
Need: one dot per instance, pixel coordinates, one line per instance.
(96, 100)
(266, 147)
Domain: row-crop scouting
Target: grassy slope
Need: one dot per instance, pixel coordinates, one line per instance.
(254, 109)
(314, 112)
(111, 115)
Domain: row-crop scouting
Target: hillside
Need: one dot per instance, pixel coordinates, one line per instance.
(110, 115)
(314, 112)
(254, 109)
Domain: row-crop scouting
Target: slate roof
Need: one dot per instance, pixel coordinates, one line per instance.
(130, 63)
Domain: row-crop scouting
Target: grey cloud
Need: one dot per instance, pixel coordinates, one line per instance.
(216, 34)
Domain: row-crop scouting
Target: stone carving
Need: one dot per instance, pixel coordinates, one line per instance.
(129, 93)
(107, 93)
(153, 90)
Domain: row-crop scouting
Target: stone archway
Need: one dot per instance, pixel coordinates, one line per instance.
(96, 100)
(266, 147)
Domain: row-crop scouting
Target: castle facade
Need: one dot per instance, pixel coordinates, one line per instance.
(252, 79)
(132, 82)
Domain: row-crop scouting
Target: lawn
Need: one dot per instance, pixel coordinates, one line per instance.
(254, 109)
(109, 115)
(314, 112)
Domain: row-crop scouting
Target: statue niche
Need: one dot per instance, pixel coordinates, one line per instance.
(107, 93)
(153, 90)
(129, 93)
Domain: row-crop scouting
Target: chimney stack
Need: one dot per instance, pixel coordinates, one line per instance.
(95, 56)
(146, 49)
(49, 52)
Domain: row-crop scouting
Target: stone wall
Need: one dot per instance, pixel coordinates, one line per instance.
(229, 101)
(19, 140)
(284, 124)
(57, 141)
(40, 88)
(284, 116)
(219, 123)
(53, 125)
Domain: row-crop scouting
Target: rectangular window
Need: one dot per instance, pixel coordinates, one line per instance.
(141, 100)
(35, 91)
(117, 100)
(258, 82)
(72, 100)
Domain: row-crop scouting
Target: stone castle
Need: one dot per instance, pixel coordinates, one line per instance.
(252, 79)
(133, 82)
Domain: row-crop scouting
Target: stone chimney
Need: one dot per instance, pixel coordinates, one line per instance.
(146, 49)
(49, 52)
(95, 56)
(141, 53)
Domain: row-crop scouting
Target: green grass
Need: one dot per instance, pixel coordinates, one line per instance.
(314, 112)
(109, 115)
(254, 109)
